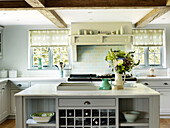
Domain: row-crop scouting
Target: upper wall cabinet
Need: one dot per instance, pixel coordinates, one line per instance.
(111, 33)
(1, 29)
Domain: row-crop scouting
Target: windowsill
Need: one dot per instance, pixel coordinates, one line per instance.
(146, 67)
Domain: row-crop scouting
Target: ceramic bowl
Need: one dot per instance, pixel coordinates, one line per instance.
(131, 116)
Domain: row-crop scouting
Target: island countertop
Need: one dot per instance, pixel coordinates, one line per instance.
(51, 90)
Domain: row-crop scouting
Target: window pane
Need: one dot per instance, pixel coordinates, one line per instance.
(56, 59)
(135, 49)
(157, 49)
(64, 50)
(141, 49)
(151, 58)
(64, 58)
(35, 58)
(151, 49)
(45, 59)
(37, 50)
(44, 50)
(141, 57)
(56, 50)
(157, 58)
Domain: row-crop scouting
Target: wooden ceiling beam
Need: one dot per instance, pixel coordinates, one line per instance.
(36, 3)
(14, 4)
(104, 3)
(154, 14)
(168, 3)
(49, 14)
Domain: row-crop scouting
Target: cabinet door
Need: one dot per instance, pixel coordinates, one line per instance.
(4, 100)
(0, 43)
(12, 109)
(164, 101)
(0, 103)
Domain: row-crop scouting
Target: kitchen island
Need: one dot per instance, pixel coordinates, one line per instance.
(88, 108)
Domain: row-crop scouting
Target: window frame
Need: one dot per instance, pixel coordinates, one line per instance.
(50, 55)
(146, 57)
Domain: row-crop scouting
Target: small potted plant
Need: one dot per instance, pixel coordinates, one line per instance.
(120, 62)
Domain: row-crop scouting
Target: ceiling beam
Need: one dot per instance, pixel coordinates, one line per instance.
(14, 4)
(49, 14)
(104, 3)
(168, 3)
(36, 3)
(154, 14)
(81, 4)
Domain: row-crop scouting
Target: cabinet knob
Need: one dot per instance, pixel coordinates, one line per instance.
(87, 103)
(146, 84)
(19, 85)
(165, 83)
(3, 88)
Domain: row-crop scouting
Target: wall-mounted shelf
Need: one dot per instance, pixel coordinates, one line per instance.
(101, 39)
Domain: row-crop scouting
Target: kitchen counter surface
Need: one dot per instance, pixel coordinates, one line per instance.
(51, 90)
(154, 78)
(32, 79)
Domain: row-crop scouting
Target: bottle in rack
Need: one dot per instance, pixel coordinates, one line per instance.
(70, 113)
(87, 112)
(95, 121)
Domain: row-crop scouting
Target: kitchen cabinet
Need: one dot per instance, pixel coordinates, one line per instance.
(12, 101)
(1, 41)
(3, 100)
(163, 87)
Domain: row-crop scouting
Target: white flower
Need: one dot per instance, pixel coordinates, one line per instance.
(119, 61)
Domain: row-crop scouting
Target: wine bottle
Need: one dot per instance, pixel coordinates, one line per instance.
(70, 113)
(95, 121)
(86, 113)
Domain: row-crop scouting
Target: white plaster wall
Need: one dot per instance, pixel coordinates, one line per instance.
(15, 51)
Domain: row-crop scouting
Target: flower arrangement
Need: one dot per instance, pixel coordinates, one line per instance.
(121, 61)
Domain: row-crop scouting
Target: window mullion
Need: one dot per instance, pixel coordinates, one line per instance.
(146, 54)
(50, 56)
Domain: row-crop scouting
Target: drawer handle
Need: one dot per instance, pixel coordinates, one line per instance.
(3, 88)
(19, 85)
(146, 84)
(165, 83)
(87, 103)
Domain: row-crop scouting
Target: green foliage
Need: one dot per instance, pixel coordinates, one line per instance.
(121, 61)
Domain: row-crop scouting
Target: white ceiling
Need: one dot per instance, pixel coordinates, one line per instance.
(96, 15)
(31, 17)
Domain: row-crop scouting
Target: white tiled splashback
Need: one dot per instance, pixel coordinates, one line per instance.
(91, 59)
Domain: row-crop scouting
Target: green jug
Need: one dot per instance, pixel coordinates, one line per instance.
(105, 85)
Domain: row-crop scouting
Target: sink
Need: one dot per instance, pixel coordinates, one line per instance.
(77, 87)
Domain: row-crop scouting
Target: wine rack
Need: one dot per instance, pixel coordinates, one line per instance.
(87, 118)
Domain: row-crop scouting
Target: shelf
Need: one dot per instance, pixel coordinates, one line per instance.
(101, 35)
(32, 123)
(139, 122)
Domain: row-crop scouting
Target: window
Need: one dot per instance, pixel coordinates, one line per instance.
(147, 45)
(49, 45)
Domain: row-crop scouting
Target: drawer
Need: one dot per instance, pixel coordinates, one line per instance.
(87, 102)
(156, 83)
